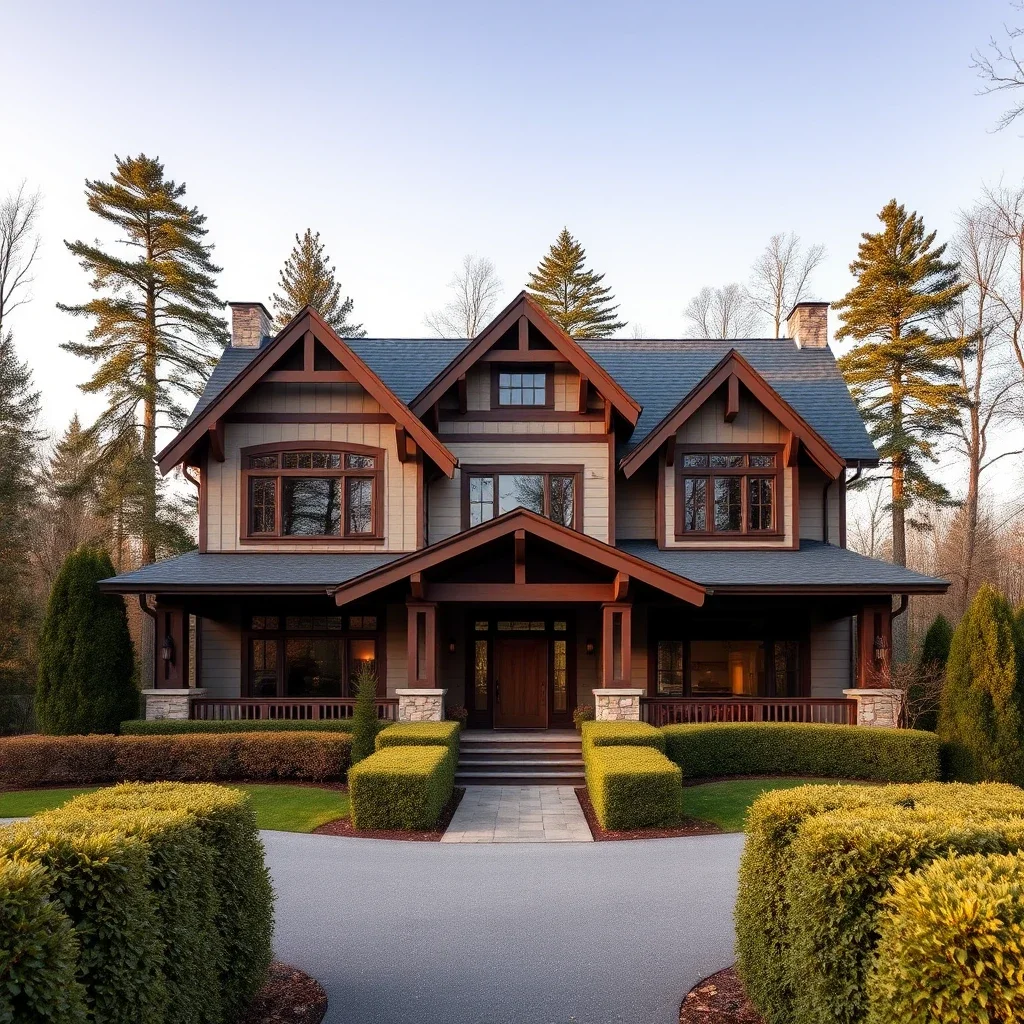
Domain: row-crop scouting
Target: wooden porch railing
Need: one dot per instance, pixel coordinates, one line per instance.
(295, 709)
(686, 710)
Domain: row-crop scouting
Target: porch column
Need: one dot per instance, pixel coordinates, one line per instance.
(171, 668)
(616, 644)
(422, 700)
(874, 645)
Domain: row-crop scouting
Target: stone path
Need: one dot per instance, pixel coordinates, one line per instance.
(518, 814)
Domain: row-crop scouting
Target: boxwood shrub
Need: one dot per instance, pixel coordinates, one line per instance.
(633, 787)
(817, 867)
(179, 726)
(401, 787)
(824, 751)
(629, 734)
(418, 734)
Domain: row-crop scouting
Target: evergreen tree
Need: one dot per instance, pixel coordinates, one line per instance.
(156, 318)
(85, 652)
(902, 375)
(935, 647)
(931, 669)
(981, 716)
(19, 407)
(364, 714)
(307, 279)
(572, 295)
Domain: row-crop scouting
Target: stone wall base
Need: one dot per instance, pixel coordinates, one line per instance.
(420, 705)
(169, 703)
(880, 708)
(613, 705)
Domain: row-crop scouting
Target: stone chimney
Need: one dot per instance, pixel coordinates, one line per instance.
(250, 323)
(807, 324)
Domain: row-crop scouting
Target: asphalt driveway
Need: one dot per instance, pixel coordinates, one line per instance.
(574, 933)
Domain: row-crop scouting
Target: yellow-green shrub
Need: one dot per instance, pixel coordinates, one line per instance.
(38, 952)
(951, 945)
(419, 734)
(628, 734)
(401, 787)
(633, 787)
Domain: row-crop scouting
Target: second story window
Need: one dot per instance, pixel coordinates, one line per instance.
(325, 491)
(490, 492)
(728, 492)
(521, 388)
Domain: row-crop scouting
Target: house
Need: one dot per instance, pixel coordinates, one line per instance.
(520, 520)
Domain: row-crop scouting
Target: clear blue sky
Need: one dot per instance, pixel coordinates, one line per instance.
(672, 139)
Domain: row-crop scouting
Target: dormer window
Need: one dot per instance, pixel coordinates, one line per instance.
(525, 387)
(313, 491)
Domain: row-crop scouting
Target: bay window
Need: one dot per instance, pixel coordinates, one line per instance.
(725, 492)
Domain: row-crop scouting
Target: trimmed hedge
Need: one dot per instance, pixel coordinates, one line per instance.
(401, 787)
(818, 864)
(627, 734)
(180, 726)
(825, 751)
(633, 787)
(417, 734)
(951, 944)
(74, 760)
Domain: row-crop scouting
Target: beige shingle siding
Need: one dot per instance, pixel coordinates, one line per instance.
(830, 658)
(812, 485)
(636, 506)
(222, 658)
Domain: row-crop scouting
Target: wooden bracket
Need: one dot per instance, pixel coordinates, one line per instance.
(732, 401)
(791, 450)
(524, 334)
(520, 542)
(670, 451)
(416, 585)
(308, 359)
(584, 387)
(463, 395)
(216, 435)
(620, 587)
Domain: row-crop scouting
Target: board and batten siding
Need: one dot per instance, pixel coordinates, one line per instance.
(812, 488)
(831, 654)
(221, 671)
(223, 495)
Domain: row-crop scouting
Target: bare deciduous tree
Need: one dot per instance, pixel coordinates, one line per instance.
(781, 276)
(870, 520)
(1001, 68)
(725, 312)
(19, 246)
(475, 289)
(1004, 214)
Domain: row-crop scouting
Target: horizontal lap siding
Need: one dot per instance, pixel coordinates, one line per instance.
(812, 486)
(478, 387)
(221, 671)
(397, 655)
(636, 507)
(830, 658)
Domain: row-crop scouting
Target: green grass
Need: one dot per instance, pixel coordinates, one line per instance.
(725, 803)
(282, 808)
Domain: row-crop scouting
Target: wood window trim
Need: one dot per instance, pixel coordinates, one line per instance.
(744, 535)
(549, 387)
(375, 537)
(526, 469)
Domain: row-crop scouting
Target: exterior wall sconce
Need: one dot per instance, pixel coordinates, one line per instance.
(451, 646)
(590, 646)
(167, 650)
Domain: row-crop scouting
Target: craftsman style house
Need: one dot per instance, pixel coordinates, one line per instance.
(521, 519)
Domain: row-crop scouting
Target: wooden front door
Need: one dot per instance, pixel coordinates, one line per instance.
(521, 683)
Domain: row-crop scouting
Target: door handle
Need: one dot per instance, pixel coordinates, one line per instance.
(497, 692)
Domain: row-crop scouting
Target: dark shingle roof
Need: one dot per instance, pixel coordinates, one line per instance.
(814, 565)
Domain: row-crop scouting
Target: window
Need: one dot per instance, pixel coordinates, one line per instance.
(560, 699)
(728, 493)
(516, 388)
(493, 492)
(670, 668)
(326, 491)
(726, 668)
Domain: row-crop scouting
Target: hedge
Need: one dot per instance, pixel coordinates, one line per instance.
(823, 751)
(75, 760)
(630, 734)
(39, 953)
(816, 868)
(951, 944)
(401, 787)
(633, 787)
(181, 726)
(418, 734)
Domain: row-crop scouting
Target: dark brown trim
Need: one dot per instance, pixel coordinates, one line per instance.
(525, 469)
(520, 436)
(525, 593)
(421, 539)
(309, 377)
(611, 486)
(660, 511)
(549, 387)
(308, 417)
(732, 401)
(517, 413)
(204, 502)
(842, 511)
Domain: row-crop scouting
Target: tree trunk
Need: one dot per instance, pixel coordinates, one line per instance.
(149, 421)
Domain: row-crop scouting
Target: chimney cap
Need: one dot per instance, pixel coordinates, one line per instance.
(260, 304)
(807, 302)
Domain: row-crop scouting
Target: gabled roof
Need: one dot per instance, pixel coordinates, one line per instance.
(507, 525)
(523, 306)
(306, 324)
(732, 369)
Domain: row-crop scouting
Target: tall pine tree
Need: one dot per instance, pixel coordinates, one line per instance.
(308, 279)
(156, 326)
(902, 374)
(572, 295)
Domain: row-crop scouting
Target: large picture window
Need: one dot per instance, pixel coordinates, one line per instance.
(726, 667)
(314, 490)
(729, 493)
(553, 492)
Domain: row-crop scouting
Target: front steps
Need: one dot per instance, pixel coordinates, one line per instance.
(529, 758)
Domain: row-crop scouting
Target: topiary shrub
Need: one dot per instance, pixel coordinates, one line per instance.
(85, 652)
(402, 787)
(633, 787)
(581, 714)
(981, 715)
(615, 734)
(421, 734)
(183, 726)
(364, 714)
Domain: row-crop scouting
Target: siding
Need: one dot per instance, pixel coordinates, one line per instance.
(830, 658)
(398, 660)
(221, 671)
(812, 484)
(636, 503)
(478, 387)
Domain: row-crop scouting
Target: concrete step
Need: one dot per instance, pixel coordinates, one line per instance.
(487, 778)
(518, 745)
(523, 764)
(474, 756)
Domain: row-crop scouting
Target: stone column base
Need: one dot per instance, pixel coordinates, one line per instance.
(612, 705)
(170, 703)
(880, 708)
(420, 705)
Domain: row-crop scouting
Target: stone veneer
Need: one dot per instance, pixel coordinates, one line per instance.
(612, 705)
(169, 703)
(880, 708)
(420, 705)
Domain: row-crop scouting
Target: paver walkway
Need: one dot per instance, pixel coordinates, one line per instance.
(518, 814)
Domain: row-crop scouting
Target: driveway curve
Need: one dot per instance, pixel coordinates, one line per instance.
(574, 933)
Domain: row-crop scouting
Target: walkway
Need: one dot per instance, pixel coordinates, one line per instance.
(519, 814)
(536, 933)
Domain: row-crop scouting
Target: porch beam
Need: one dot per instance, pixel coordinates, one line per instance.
(620, 588)
(520, 544)
(553, 592)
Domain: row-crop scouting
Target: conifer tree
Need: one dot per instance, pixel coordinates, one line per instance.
(572, 295)
(308, 279)
(981, 715)
(364, 714)
(935, 647)
(156, 324)
(902, 374)
(85, 652)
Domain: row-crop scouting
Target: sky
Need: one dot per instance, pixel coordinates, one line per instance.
(671, 139)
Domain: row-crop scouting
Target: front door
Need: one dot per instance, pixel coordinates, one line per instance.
(521, 683)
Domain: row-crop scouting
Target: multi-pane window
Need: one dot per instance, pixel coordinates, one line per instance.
(727, 493)
(313, 492)
(670, 668)
(491, 494)
(515, 388)
(560, 680)
(720, 666)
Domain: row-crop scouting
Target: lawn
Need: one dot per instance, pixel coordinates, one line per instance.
(282, 808)
(725, 803)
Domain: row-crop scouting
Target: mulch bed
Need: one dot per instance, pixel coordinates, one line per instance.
(719, 999)
(688, 827)
(343, 826)
(290, 996)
